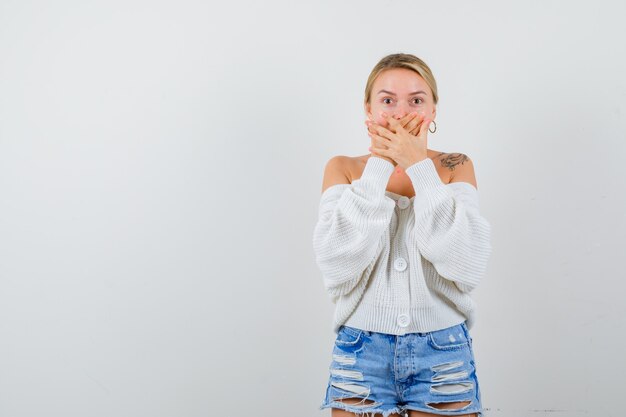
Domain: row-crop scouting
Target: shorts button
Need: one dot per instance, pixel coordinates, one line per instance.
(403, 202)
(403, 320)
(399, 264)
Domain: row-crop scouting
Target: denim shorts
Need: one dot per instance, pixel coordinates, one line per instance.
(384, 373)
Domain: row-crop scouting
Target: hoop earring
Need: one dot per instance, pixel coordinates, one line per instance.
(432, 131)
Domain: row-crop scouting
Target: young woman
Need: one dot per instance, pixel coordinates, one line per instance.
(401, 244)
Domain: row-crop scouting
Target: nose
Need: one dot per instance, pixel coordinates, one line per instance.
(400, 112)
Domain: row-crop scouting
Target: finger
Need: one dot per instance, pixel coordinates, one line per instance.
(379, 151)
(368, 122)
(398, 127)
(394, 124)
(406, 120)
(379, 141)
(423, 132)
(413, 125)
(380, 130)
(413, 121)
(383, 117)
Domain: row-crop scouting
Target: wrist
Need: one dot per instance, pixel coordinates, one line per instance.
(414, 161)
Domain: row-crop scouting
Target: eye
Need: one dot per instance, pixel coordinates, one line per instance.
(417, 98)
(386, 98)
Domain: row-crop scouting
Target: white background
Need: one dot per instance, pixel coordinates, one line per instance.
(160, 172)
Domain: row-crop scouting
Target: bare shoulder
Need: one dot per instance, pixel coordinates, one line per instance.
(452, 160)
(460, 167)
(337, 171)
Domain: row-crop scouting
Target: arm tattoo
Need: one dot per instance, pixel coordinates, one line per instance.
(453, 159)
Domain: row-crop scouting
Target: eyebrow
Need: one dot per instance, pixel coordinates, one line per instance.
(393, 94)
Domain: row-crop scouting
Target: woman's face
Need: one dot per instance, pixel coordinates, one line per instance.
(398, 92)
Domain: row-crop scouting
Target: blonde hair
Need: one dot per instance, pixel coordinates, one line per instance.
(407, 61)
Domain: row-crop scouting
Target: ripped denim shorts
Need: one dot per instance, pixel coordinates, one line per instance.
(377, 373)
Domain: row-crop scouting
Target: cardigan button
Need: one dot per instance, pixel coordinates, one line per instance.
(403, 202)
(399, 264)
(403, 320)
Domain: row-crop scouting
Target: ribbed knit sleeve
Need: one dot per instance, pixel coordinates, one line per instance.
(352, 220)
(449, 230)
